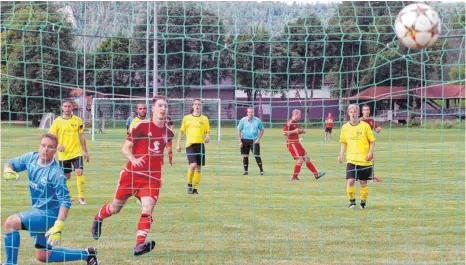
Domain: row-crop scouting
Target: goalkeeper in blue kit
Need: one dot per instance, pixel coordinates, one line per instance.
(50, 205)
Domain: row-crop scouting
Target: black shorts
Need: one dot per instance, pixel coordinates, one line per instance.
(196, 154)
(71, 165)
(328, 130)
(248, 146)
(358, 172)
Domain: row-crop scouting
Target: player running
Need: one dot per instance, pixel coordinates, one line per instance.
(144, 149)
(358, 141)
(71, 147)
(45, 221)
(292, 132)
(366, 117)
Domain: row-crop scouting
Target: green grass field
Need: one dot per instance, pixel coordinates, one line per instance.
(416, 216)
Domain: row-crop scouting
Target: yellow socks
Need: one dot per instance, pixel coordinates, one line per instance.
(364, 192)
(68, 183)
(80, 185)
(190, 176)
(197, 179)
(351, 192)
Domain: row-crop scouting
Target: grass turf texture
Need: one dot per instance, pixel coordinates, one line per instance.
(416, 216)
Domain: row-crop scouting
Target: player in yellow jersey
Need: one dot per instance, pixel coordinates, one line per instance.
(141, 110)
(358, 141)
(71, 147)
(197, 129)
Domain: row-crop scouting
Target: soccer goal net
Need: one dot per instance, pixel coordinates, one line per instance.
(47, 120)
(110, 114)
(271, 57)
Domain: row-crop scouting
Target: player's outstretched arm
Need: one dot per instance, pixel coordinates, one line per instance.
(9, 173)
(15, 165)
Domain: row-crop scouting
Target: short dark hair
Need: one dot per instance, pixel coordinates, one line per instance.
(51, 137)
(366, 106)
(158, 97)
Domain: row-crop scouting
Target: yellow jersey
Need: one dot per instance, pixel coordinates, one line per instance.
(195, 128)
(135, 122)
(67, 132)
(358, 138)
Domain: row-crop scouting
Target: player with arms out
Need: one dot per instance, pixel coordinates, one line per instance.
(292, 132)
(366, 117)
(358, 141)
(141, 177)
(141, 110)
(71, 147)
(328, 127)
(197, 129)
(45, 221)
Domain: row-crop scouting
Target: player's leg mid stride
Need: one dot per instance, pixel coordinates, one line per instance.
(144, 224)
(297, 168)
(292, 131)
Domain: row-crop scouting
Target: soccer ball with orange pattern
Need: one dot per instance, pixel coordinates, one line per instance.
(417, 26)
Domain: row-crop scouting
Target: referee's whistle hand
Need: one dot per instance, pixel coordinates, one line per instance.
(60, 148)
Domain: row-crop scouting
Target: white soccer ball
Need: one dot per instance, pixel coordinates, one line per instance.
(417, 26)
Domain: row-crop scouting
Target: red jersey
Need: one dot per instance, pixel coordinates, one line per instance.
(290, 126)
(329, 122)
(149, 141)
(371, 123)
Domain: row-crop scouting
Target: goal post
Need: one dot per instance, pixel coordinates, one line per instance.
(112, 113)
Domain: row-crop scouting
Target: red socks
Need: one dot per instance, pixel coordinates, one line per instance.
(143, 228)
(297, 168)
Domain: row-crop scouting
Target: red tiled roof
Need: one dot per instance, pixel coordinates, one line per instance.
(398, 92)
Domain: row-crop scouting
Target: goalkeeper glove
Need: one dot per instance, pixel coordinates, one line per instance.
(54, 233)
(10, 174)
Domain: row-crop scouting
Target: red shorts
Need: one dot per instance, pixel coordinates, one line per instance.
(138, 185)
(296, 150)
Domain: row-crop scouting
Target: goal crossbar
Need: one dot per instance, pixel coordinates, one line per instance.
(171, 102)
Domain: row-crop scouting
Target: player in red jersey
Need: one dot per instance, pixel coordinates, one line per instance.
(141, 177)
(292, 132)
(328, 126)
(366, 117)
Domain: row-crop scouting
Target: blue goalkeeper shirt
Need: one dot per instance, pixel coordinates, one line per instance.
(47, 184)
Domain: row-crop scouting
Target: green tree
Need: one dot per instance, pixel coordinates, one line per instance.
(363, 51)
(190, 41)
(264, 64)
(305, 37)
(37, 58)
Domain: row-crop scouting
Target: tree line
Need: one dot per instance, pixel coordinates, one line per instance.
(355, 49)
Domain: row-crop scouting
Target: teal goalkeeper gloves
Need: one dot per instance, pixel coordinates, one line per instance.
(10, 174)
(54, 233)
